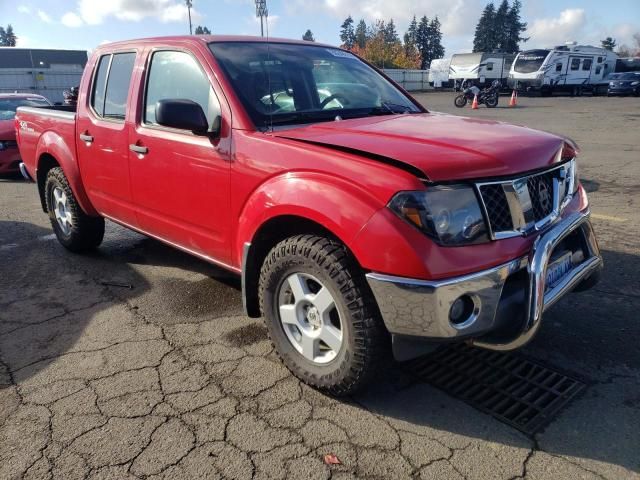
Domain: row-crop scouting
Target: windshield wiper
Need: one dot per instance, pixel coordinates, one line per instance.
(390, 108)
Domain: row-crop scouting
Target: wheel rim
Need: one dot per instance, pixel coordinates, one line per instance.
(61, 210)
(310, 318)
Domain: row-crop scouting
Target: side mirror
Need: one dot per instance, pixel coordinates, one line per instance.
(182, 114)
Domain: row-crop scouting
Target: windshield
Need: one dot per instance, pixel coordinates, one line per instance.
(8, 106)
(282, 84)
(630, 76)
(531, 61)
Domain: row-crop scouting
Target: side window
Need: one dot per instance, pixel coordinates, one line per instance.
(177, 75)
(600, 59)
(99, 82)
(115, 102)
(575, 64)
(558, 67)
(586, 64)
(489, 66)
(598, 70)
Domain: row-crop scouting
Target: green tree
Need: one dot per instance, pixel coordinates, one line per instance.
(484, 39)
(501, 25)
(390, 33)
(411, 37)
(7, 37)
(347, 33)
(422, 41)
(436, 50)
(515, 28)
(308, 36)
(361, 34)
(609, 43)
(202, 30)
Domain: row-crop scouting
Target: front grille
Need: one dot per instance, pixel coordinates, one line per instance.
(495, 202)
(541, 193)
(513, 206)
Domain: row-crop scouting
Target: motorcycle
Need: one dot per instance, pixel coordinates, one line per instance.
(488, 96)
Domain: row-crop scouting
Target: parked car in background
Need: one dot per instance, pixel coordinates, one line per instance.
(9, 102)
(357, 220)
(625, 84)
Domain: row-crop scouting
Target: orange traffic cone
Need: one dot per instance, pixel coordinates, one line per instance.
(514, 99)
(474, 105)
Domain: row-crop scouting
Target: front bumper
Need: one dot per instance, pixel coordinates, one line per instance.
(508, 300)
(622, 91)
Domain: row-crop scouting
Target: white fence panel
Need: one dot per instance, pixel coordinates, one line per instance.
(410, 80)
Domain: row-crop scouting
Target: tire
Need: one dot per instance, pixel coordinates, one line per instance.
(75, 230)
(460, 101)
(491, 101)
(295, 279)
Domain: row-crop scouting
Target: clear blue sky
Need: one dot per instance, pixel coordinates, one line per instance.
(87, 23)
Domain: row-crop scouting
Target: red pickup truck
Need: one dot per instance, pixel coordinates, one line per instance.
(357, 219)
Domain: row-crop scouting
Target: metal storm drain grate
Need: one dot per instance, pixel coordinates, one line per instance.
(513, 389)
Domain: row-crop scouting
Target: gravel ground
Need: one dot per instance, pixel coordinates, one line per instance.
(169, 380)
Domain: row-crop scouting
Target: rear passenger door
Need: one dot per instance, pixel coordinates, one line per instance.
(102, 143)
(180, 180)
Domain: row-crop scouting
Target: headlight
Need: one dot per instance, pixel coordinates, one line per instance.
(1, 146)
(450, 215)
(634, 83)
(611, 84)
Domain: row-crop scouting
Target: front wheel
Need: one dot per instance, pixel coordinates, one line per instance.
(460, 101)
(491, 101)
(74, 229)
(321, 315)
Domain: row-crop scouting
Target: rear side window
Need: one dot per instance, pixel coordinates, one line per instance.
(100, 81)
(111, 85)
(575, 64)
(177, 75)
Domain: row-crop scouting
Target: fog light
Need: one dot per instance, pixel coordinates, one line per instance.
(461, 310)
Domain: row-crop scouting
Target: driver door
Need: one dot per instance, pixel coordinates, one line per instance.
(180, 180)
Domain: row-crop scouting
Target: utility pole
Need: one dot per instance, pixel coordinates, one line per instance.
(262, 13)
(189, 5)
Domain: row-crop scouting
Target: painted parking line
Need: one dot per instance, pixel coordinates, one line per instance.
(611, 218)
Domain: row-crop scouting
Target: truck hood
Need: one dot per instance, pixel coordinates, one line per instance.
(442, 147)
(7, 130)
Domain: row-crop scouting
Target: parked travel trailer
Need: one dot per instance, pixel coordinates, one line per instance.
(569, 67)
(439, 73)
(480, 68)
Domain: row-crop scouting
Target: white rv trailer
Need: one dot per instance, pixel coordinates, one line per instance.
(439, 72)
(569, 67)
(480, 68)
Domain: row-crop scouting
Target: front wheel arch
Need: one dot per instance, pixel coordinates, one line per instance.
(265, 238)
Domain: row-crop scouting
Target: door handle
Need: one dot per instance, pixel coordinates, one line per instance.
(138, 149)
(86, 138)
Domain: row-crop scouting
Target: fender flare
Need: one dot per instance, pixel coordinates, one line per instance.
(307, 202)
(53, 145)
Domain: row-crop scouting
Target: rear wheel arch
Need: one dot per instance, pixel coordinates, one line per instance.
(269, 234)
(45, 163)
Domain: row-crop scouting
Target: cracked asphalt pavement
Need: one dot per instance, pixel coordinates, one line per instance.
(168, 379)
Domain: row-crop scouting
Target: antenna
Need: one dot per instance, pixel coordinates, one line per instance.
(262, 12)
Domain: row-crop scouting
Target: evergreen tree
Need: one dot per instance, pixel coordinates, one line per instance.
(422, 41)
(390, 33)
(501, 26)
(308, 36)
(411, 37)
(202, 30)
(608, 43)
(347, 34)
(436, 50)
(484, 39)
(361, 34)
(7, 37)
(515, 29)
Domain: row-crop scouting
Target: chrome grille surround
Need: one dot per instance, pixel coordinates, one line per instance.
(532, 201)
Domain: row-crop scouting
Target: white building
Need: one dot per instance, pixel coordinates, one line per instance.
(42, 71)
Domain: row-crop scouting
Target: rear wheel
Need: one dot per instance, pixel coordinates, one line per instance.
(74, 229)
(320, 314)
(460, 101)
(491, 101)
